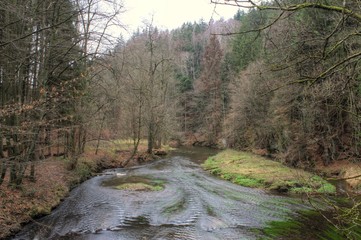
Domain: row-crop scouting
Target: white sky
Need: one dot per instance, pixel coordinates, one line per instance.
(170, 14)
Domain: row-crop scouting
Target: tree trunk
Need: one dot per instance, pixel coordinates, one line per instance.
(48, 142)
(33, 153)
(83, 141)
(13, 172)
(150, 136)
(1, 144)
(3, 168)
(99, 135)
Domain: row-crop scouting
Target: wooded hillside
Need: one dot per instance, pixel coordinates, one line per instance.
(281, 78)
(46, 50)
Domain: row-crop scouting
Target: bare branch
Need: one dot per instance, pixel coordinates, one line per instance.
(292, 7)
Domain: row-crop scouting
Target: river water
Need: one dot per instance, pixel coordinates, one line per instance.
(193, 205)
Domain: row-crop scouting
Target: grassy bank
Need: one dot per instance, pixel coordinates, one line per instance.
(251, 170)
(310, 224)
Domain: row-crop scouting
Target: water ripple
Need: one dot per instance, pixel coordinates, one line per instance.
(193, 205)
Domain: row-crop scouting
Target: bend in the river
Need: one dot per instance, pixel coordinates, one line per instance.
(193, 205)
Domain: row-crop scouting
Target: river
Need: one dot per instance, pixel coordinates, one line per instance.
(192, 205)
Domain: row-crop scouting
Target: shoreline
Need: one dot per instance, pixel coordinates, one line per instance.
(55, 181)
(251, 170)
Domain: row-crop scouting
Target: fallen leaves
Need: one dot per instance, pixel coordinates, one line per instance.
(19, 205)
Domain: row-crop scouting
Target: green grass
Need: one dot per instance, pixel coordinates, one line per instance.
(127, 144)
(139, 187)
(251, 170)
(282, 228)
(327, 188)
(112, 146)
(241, 180)
(145, 185)
(308, 225)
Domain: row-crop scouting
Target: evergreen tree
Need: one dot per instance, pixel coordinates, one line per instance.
(39, 80)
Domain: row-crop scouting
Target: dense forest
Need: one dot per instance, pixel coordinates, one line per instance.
(280, 78)
(47, 49)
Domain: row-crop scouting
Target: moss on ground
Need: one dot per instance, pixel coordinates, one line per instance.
(308, 225)
(136, 184)
(278, 229)
(251, 170)
(139, 187)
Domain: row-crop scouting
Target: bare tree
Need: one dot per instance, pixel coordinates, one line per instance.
(47, 47)
(208, 92)
(140, 80)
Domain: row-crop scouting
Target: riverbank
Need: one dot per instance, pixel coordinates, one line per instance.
(251, 170)
(338, 219)
(54, 180)
(21, 204)
(312, 224)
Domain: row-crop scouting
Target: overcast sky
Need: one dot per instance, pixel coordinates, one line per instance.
(170, 14)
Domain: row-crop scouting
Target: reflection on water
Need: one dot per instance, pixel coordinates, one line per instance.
(195, 154)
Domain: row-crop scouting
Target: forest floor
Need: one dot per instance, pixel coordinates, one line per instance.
(20, 204)
(54, 180)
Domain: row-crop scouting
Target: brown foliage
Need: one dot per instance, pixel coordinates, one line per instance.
(297, 103)
(208, 93)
